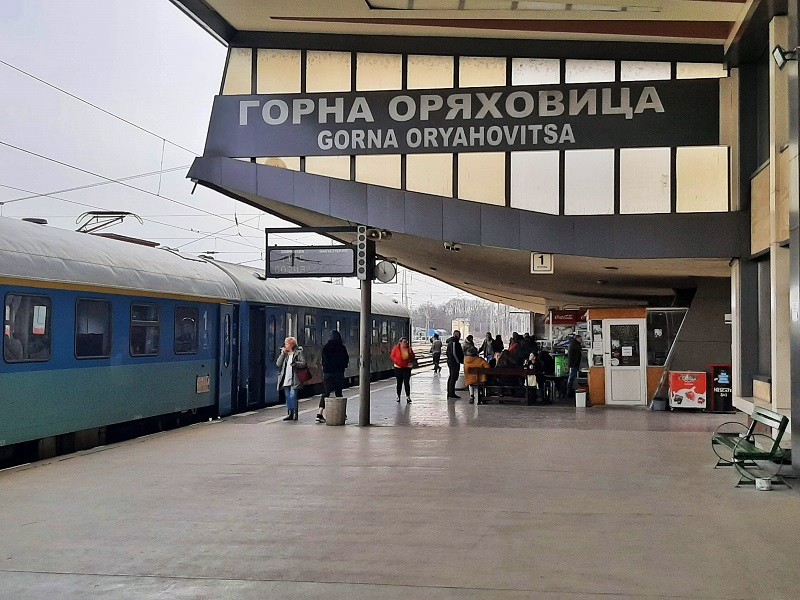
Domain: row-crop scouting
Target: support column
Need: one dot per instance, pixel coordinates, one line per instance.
(791, 69)
(779, 259)
(744, 308)
(365, 330)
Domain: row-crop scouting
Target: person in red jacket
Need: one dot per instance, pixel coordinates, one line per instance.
(403, 359)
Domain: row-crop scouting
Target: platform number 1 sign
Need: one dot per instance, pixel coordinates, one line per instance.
(541, 264)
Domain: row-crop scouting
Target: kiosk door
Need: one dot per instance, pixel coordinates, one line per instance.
(626, 361)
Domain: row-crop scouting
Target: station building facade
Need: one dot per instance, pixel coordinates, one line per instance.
(639, 228)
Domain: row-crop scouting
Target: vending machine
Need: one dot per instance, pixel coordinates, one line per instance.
(687, 389)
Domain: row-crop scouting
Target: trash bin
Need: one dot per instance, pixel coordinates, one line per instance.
(580, 398)
(335, 411)
(461, 382)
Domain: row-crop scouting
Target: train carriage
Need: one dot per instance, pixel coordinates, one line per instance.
(99, 333)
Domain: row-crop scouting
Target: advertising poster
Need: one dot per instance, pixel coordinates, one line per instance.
(721, 388)
(687, 389)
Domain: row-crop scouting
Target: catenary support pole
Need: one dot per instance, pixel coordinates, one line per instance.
(365, 331)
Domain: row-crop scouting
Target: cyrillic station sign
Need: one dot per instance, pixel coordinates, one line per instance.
(499, 119)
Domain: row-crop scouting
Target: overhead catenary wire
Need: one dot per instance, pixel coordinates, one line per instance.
(96, 107)
(35, 195)
(93, 174)
(148, 219)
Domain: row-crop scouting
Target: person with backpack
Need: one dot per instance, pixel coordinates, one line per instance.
(334, 362)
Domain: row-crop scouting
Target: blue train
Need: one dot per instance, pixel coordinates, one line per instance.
(104, 339)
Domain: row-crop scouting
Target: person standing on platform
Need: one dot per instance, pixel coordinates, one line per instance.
(289, 363)
(455, 356)
(574, 354)
(486, 347)
(467, 344)
(436, 352)
(497, 344)
(403, 360)
(473, 362)
(334, 361)
(514, 349)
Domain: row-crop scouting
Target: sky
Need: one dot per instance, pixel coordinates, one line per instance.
(103, 106)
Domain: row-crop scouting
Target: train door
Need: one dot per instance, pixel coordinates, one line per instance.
(256, 351)
(274, 342)
(227, 358)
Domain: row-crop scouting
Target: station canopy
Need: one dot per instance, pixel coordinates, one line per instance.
(592, 265)
(716, 22)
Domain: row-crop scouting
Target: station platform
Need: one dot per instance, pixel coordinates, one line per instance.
(440, 500)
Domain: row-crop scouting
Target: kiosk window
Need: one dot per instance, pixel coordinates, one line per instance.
(145, 330)
(26, 329)
(92, 329)
(186, 329)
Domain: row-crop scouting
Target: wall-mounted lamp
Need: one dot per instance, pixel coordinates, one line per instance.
(782, 56)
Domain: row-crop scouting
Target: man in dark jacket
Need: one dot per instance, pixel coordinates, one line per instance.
(334, 361)
(574, 354)
(455, 356)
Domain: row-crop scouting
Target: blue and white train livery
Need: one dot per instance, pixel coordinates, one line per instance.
(98, 333)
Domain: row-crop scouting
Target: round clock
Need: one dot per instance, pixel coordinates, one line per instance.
(385, 271)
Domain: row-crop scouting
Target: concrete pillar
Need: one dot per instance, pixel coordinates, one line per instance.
(779, 257)
(791, 72)
(744, 335)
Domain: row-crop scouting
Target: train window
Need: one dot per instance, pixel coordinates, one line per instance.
(309, 331)
(26, 329)
(354, 331)
(272, 331)
(291, 325)
(326, 329)
(339, 328)
(187, 320)
(393, 332)
(92, 329)
(384, 332)
(375, 332)
(226, 351)
(145, 330)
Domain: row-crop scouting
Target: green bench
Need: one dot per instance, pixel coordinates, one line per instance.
(753, 455)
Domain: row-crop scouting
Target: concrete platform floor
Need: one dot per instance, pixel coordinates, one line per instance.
(463, 502)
